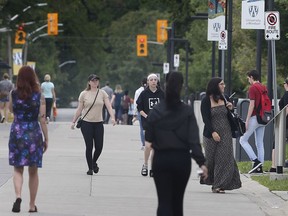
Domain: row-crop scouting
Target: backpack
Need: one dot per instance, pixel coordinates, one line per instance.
(125, 102)
(264, 110)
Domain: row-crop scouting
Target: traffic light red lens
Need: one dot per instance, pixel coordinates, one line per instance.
(141, 40)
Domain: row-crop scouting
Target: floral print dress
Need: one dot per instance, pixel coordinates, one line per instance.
(26, 140)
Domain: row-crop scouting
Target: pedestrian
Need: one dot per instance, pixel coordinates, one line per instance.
(223, 173)
(125, 104)
(109, 91)
(130, 112)
(282, 103)
(174, 134)
(252, 125)
(91, 102)
(49, 93)
(5, 87)
(116, 101)
(137, 114)
(148, 98)
(26, 143)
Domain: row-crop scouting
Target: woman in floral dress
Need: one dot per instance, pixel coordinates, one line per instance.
(26, 144)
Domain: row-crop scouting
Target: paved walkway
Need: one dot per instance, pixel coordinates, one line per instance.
(119, 189)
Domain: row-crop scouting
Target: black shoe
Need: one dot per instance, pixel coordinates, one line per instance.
(151, 173)
(257, 164)
(257, 170)
(17, 205)
(96, 168)
(90, 172)
(33, 211)
(144, 171)
(272, 169)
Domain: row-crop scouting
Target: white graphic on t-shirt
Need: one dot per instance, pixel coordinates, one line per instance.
(153, 102)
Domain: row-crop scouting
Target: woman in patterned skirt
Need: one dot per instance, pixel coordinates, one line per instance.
(26, 144)
(223, 173)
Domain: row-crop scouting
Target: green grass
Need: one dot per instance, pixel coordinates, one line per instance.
(272, 185)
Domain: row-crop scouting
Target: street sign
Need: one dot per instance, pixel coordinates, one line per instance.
(222, 44)
(272, 25)
(176, 60)
(165, 68)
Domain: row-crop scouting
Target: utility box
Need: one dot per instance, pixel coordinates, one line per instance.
(242, 109)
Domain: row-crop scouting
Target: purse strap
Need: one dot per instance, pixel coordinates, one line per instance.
(91, 105)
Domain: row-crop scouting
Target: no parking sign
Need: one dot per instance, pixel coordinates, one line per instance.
(272, 25)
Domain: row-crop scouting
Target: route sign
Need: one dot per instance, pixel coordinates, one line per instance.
(222, 43)
(165, 68)
(272, 25)
(176, 60)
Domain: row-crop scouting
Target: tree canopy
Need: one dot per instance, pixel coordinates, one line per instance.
(100, 36)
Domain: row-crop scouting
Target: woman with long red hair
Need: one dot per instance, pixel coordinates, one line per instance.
(26, 143)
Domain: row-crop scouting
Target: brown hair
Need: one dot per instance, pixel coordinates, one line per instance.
(27, 82)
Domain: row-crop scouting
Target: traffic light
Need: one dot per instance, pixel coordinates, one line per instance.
(142, 49)
(162, 34)
(20, 36)
(52, 25)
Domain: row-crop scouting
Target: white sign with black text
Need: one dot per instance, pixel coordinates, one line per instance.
(165, 68)
(272, 25)
(222, 44)
(176, 60)
(252, 16)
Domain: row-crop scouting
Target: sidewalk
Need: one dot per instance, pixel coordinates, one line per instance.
(119, 189)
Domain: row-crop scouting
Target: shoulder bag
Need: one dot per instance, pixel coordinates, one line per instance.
(80, 120)
(238, 127)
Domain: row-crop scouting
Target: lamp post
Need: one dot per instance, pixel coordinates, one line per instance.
(9, 43)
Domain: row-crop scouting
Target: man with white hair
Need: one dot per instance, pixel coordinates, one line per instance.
(145, 102)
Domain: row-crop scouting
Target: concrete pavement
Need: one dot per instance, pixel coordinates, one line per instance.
(119, 189)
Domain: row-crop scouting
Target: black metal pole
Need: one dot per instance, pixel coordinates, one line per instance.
(171, 65)
(259, 52)
(186, 72)
(213, 58)
(229, 51)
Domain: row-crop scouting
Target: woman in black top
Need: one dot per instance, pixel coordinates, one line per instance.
(172, 129)
(217, 140)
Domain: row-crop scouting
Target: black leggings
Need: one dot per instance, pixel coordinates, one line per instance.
(171, 171)
(93, 133)
(49, 103)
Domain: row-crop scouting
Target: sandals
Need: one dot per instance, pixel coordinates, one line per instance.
(33, 211)
(17, 205)
(218, 190)
(144, 171)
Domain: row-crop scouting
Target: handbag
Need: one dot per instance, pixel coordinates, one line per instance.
(80, 120)
(237, 124)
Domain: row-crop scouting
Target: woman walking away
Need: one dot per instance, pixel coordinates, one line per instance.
(48, 91)
(91, 102)
(172, 129)
(26, 144)
(223, 170)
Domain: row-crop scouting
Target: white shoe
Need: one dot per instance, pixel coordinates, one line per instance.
(142, 148)
(47, 120)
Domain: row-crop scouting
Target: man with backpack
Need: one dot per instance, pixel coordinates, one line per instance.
(256, 95)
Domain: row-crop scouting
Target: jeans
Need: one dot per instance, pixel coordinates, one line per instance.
(258, 130)
(141, 129)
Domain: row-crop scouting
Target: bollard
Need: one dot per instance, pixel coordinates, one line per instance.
(280, 140)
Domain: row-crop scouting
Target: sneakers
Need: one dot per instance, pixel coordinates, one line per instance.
(144, 171)
(257, 167)
(2, 119)
(142, 148)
